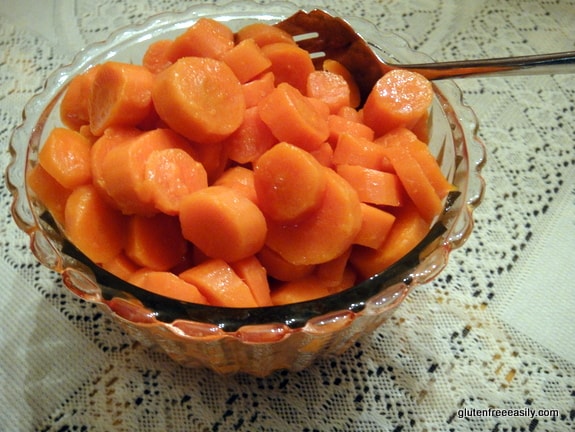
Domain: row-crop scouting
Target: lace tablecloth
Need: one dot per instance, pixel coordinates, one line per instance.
(493, 332)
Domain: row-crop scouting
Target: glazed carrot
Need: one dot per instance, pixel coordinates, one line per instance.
(407, 231)
(263, 34)
(293, 118)
(121, 95)
(155, 242)
(326, 233)
(348, 279)
(200, 98)
(97, 229)
(305, 289)
(415, 183)
(169, 285)
(330, 88)
(221, 286)
(421, 128)
(336, 67)
(258, 88)
(213, 157)
(74, 106)
(85, 131)
(252, 139)
(254, 275)
(48, 191)
(289, 64)
(240, 179)
(247, 60)
(323, 154)
(332, 272)
(280, 269)
(399, 98)
(375, 226)
(339, 125)
(123, 170)
(65, 155)
(205, 38)
(351, 114)
(352, 150)
(209, 219)
(121, 266)
(373, 186)
(170, 174)
(155, 58)
(290, 183)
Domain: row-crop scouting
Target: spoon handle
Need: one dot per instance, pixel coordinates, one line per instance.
(555, 63)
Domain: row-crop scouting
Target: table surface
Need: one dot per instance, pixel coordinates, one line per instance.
(493, 331)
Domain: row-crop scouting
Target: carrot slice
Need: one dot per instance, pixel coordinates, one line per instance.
(352, 150)
(323, 154)
(280, 269)
(247, 60)
(156, 56)
(258, 88)
(169, 285)
(121, 266)
(336, 67)
(93, 226)
(332, 272)
(252, 139)
(213, 157)
(218, 282)
(326, 233)
(200, 98)
(240, 179)
(330, 88)
(399, 98)
(351, 114)
(339, 125)
(65, 155)
(263, 34)
(120, 96)
(373, 186)
(171, 174)
(375, 226)
(251, 271)
(74, 106)
(305, 289)
(48, 191)
(290, 183)
(407, 231)
(205, 38)
(155, 242)
(293, 118)
(289, 64)
(211, 220)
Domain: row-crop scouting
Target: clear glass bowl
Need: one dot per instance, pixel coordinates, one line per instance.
(258, 340)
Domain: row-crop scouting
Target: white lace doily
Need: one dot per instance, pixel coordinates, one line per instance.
(495, 330)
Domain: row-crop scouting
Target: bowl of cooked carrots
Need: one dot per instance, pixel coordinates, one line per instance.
(233, 204)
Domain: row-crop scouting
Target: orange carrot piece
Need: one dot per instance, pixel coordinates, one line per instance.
(263, 34)
(373, 186)
(218, 282)
(65, 155)
(289, 64)
(121, 266)
(209, 219)
(205, 38)
(155, 242)
(213, 157)
(352, 150)
(323, 154)
(415, 183)
(293, 118)
(351, 114)
(247, 60)
(421, 128)
(155, 58)
(251, 271)
(74, 106)
(330, 88)
(336, 67)
(326, 233)
(305, 289)
(85, 131)
(375, 226)
(171, 174)
(200, 98)
(290, 183)
(240, 179)
(348, 279)
(281, 270)
(97, 229)
(332, 272)
(258, 88)
(399, 98)
(407, 231)
(121, 95)
(48, 191)
(252, 139)
(339, 125)
(169, 285)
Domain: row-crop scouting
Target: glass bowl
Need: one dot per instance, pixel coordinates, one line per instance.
(261, 340)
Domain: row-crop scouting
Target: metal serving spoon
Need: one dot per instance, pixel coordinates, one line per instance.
(325, 36)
